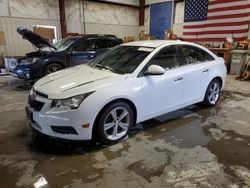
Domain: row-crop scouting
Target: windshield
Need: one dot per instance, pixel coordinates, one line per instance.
(64, 43)
(122, 59)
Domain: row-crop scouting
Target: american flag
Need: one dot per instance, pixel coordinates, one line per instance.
(215, 20)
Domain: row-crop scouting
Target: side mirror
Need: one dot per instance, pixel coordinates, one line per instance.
(154, 70)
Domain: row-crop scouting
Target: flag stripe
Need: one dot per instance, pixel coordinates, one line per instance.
(240, 7)
(227, 4)
(233, 28)
(222, 1)
(217, 32)
(236, 35)
(217, 21)
(220, 39)
(228, 12)
(228, 16)
(216, 25)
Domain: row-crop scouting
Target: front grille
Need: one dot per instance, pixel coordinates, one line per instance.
(64, 129)
(36, 105)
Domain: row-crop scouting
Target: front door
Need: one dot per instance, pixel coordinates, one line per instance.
(83, 52)
(163, 93)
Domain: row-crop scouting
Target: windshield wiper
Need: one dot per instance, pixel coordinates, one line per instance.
(99, 66)
(104, 67)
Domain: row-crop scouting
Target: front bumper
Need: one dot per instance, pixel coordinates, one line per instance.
(19, 73)
(65, 125)
(16, 70)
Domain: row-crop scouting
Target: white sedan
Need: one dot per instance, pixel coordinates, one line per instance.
(129, 84)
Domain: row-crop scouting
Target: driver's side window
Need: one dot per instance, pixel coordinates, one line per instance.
(85, 46)
(166, 58)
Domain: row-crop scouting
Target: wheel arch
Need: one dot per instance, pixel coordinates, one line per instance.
(128, 101)
(218, 78)
(204, 102)
(214, 78)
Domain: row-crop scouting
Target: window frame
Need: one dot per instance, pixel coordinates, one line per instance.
(101, 40)
(79, 42)
(179, 46)
(166, 69)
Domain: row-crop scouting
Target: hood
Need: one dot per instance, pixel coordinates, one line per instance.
(74, 81)
(34, 38)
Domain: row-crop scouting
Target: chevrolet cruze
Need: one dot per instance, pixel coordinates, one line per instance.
(128, 84)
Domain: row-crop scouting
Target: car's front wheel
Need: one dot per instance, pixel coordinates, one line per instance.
(53, 67)
(213, 93)
(114, 122)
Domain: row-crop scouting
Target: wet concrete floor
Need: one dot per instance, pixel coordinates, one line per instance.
(191, 147)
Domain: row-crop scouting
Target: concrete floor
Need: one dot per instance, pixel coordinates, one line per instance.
(191, 147)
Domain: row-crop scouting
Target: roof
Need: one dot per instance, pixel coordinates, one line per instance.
(156, 43)
(151, 43)
(94, 36)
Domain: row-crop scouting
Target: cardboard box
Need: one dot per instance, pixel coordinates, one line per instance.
(128, 39)
(2, 38)
(47, 33)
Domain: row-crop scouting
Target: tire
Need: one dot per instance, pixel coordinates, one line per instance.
(212, 93)
(53, 67)
(114, 122)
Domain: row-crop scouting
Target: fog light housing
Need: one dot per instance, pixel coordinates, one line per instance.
(85, 125)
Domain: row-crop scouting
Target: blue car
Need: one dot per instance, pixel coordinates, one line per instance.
(48, 58)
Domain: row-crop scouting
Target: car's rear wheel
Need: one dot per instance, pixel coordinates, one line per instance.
(53, 67)
(114, 122)
(212, 93)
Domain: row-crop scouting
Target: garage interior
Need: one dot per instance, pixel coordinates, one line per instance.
(190, 147)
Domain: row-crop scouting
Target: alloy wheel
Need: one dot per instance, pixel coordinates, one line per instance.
(214, 92)
(116, 123)
(53, 68)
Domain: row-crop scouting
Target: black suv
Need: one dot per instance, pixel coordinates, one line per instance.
(70, 51)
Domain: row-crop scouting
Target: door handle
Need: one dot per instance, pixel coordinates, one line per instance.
(206, 70)
(90, 56)
(178, 79)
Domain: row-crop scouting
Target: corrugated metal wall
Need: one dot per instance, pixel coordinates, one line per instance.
(15, 44)
(100, 18)
(118, 30)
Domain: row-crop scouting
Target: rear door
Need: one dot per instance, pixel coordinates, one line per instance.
(101, 46)
(83, 52)
(196, 64)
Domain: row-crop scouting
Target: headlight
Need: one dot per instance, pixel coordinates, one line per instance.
(72, 103)
(28, 61)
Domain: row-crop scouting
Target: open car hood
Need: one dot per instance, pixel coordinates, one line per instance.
(34, 38)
